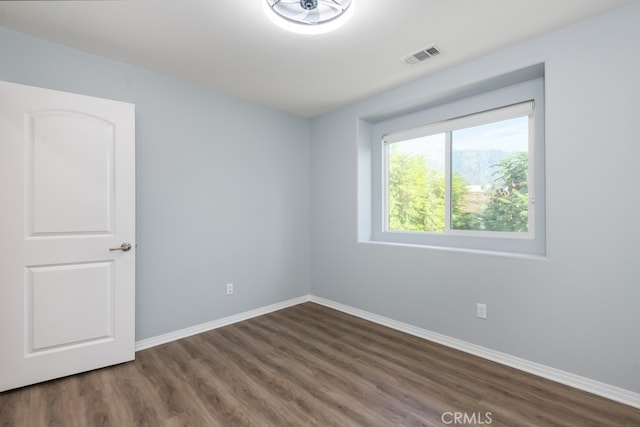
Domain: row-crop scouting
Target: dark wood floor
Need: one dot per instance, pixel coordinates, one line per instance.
(307, 365)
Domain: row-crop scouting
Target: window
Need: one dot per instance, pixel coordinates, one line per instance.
(468, 174)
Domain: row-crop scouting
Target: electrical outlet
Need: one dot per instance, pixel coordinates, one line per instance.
(481, 310)
(229, 288)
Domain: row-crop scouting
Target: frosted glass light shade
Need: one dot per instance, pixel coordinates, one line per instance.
(309, 16)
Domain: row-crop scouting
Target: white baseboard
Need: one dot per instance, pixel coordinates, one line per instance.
(204, 327)
(601, 389)
(596, 387)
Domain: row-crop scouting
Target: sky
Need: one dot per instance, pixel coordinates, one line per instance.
(507, 135)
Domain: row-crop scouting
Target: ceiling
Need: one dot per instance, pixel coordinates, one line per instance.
(230, 45)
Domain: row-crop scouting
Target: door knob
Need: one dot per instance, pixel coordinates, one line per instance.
(123, 247)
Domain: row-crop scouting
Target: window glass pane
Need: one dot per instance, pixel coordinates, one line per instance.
(416, 184)
(489, 166)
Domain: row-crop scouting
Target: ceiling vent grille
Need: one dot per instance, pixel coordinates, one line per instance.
(421, 55)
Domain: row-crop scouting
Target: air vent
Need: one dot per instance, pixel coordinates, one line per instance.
(421, 55)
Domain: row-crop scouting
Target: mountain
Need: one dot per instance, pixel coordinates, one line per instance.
(476, 166)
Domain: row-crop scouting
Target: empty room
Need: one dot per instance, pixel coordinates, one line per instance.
(319, 212)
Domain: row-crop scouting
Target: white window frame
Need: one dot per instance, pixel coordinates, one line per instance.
(523, 99)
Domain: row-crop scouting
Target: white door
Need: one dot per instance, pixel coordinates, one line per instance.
(67, 197)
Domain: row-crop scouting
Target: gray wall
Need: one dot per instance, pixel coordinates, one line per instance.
(577, 309)
(222, 187)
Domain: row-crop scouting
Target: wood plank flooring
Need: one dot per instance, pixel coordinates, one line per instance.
(307, 365)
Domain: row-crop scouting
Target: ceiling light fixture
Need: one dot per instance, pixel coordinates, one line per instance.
(309, 16)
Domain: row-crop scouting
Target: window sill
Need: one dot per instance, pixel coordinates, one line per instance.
(481, 252)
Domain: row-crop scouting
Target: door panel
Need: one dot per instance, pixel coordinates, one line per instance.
(67, 188)
(70, 193)
(54, 320)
